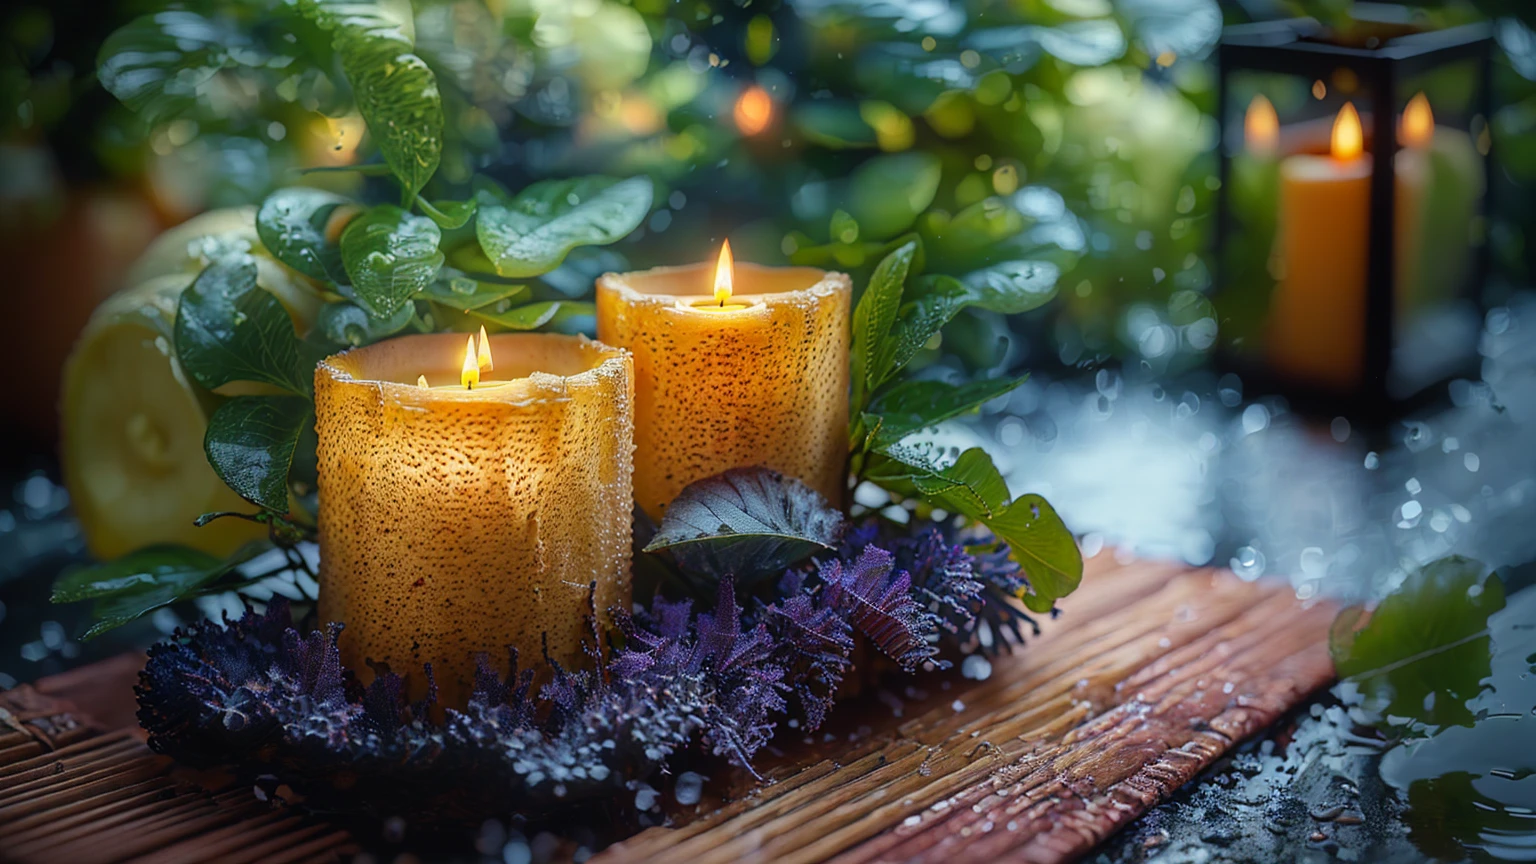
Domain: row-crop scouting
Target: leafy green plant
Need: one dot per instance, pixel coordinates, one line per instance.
(890, 325)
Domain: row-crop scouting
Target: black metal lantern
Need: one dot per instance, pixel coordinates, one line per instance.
(1352, 211)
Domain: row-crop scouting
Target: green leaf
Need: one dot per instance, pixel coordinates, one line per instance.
(1039, 542)
(291, 224)
(250, 444)
(449, 215)
(1424, 651)
(534, 315)
(143, 581)
(916, 322)
(159, 65)
(1013, 287)
(397, 95)
(390, 255)
(533, 233)
(227, 330)
(876, 312)
(747, 522)
(886, 193)
(350, 324)
(1037, 539)
(457, 291)
(911, 406)
(395, 90)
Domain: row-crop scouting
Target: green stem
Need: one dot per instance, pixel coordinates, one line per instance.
(371, 169)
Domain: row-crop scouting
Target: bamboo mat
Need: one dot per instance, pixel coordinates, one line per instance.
(1153, 671)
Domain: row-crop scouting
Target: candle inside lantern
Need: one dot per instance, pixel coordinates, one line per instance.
(1317, 315)
(457, 519)
(762, 380)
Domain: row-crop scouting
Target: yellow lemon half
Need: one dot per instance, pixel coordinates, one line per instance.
(133, 424)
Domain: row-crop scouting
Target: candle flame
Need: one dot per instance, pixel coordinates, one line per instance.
(724, 274)
(754, 108)
(1261, 126)
(483, 358)
(1418, 126)
(471, 374)
(421, 381)
(1348, 138)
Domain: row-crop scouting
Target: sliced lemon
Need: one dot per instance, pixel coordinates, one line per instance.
(133, 423)
(133, 433)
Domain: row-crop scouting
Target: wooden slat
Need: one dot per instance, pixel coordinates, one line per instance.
(1154, 672)
(70, 791)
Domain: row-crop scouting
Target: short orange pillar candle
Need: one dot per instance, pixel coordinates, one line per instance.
(460, 514)
(735, 365)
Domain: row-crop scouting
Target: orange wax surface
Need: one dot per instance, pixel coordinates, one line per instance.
(457, 521)
(1318, 314)
(763, 384)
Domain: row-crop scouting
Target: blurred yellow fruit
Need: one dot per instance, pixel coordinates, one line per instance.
(132, 422)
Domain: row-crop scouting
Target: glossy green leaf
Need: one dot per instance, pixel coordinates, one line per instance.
(534, 315)
(1013, 287)
(159, 65)
(251, 441)
(228, 330)
(350, 324)
(916, 322)
(450, 215)
(876, 313)
(457, 291)
(532, 233)
(747, 522)
(886, 193)
(145, 580)
(291, 224)
(390, 255)
(395, 90)
(1038, 541)
(1424, 651)
(911, 406)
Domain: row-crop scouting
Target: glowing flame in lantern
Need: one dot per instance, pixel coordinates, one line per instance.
(1418, 127)
(1261, 127)
(1348, 140)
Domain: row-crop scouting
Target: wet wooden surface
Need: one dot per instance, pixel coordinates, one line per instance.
(74, 791)
(1153, 671)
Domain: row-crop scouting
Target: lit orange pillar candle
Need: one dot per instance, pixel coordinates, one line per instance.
(734, 365)
(1317, 317)
(471, 509)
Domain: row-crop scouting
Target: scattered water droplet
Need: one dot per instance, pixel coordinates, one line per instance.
(1248, 563)
(1409, 514)
(976, 668)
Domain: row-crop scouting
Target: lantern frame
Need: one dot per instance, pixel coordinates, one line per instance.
(1295, 47)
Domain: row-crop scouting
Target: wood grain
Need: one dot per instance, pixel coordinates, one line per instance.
(1154, 671)
(71, 791)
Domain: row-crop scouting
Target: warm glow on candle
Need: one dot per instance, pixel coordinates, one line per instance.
(1348, 138)
(471, 374)
(483, 359)
(1261, 127)
(725, 271)
(754, 108)
(1418, 128)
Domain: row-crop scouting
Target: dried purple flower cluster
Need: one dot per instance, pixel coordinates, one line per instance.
(256, 694)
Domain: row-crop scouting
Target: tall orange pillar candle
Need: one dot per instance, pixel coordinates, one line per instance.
(1317, 316)
(735, 365)
(468, 497)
